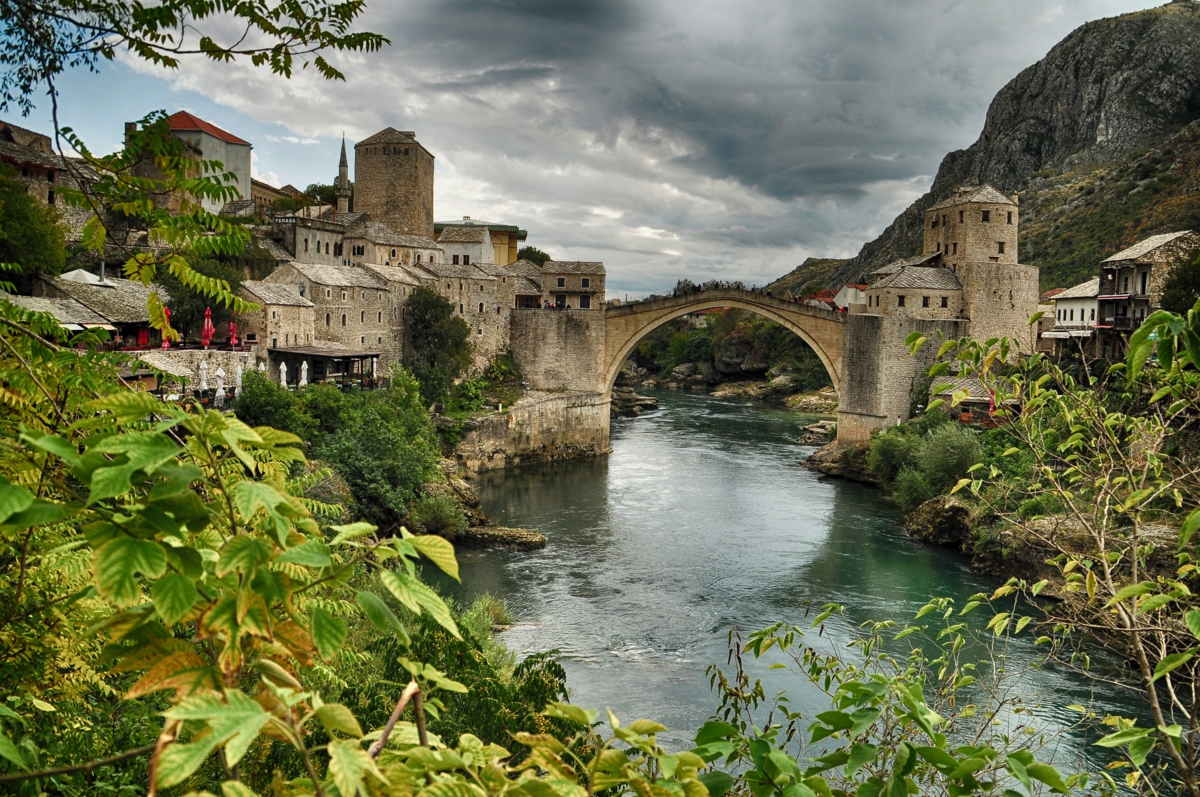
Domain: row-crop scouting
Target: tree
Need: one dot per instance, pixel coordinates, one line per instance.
(1181, 288)
(31, 235)
(327, 193)
(188, 304)
(438, 345)
(533, 255)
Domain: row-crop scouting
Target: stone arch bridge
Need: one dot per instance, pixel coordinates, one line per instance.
(626, 325)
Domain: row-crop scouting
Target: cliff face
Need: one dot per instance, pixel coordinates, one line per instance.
(1110, 90)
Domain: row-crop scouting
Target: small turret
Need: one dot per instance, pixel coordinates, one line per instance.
(342, 191)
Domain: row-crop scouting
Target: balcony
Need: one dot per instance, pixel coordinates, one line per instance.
(1120, 323)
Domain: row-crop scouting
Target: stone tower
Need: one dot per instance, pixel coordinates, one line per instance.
(342, 190)
(393, 181)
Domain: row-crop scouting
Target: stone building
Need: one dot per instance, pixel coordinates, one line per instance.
(1131, 285)
(1073, 312)
(369, 241)
(215, 144)
(966, 281)
(393, 182)
(505, 239)
(121, 302)
(573, 284)
(285, 318)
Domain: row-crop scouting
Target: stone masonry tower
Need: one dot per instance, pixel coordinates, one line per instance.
(393, 182)
(975, 232)
(342, 190)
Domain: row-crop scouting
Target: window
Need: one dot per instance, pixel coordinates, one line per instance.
(562, 282)
(900, 301)
(943, 219)
(1071, 315)
(305, 244)
(50, 197)
(933, 224)
(274, 343)
(362, 317)
(960, 216)
(924, 301)
(327, 319)
(272, 315)
(379, 317)
(466, 260)
(481, 287)
(343, 319)
(301, 288)
(1145, 275)
(454, 261)
(1127, 285)
(418, 257)
(460, 309)
(586, 282)
(328, 293)
(1093, 314)
(955, 249)
(1000, 247)
(987, 216)
(327, 247)
(1010, 217)
(379, 295)
(585, 302)
(285, 338)
(945, 301)
(393, 253)
(406, 150)
(497, 309)
(343, 296)
(939, 247)
(481, 307)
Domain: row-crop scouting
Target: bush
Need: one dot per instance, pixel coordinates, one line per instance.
(439, 514)
(912, 489)
(438, 344)
(890, 452)
(946, 453)
(263, 402)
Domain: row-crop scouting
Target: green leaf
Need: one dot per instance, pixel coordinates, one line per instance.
(348, 763)
(414, 594)
(713, 730)
(235, 721)
(717, 783)
(1191, 525)
(13, 499)
(571, 712)
(313, 553)
(242, 554)
(381, 616)
(235, 788)
(328, 632)
(131, 453)
(1140, 748)
(1192, 619)
(178, 761)
(336, 717)
(118, 564)
(439, 551)
(1048, 775)
(1173, 662)
(1133, 590)
(645, 727)
(1122, 737)
(11, 752)
(940, 759)
(174, 595)
(798, 790)
(352, 531)
(860, 754)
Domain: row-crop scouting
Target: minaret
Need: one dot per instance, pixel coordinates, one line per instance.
(342, 192)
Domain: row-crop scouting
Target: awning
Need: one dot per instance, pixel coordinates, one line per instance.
(72, 327)
(1057, 334)
(1081, 333)
(1116, 297)
(109, 327)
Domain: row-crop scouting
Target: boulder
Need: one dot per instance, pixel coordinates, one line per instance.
(822, 402)
(848, 462)
(942, 520)
(626, 403)
(706, 370)
(681, 372)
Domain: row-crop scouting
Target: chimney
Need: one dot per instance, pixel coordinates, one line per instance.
(130, 129)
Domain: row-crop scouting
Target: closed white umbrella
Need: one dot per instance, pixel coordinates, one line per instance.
(203, 375)
(283, 374)
(237, 379)
(221, 379)
(303, 373)
(262, 368)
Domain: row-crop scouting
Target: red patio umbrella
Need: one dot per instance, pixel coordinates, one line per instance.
(166, 333)
(207, 332)
(233, 340)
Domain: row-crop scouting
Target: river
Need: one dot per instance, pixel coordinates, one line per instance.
(702, 519)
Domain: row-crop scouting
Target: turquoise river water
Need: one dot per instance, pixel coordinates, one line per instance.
(702, 519)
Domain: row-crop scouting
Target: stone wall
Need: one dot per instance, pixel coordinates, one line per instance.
(972, 238)
(1000, 298)
(559, 349)
(275, 325)
(538, 428)
(311, 240)
(878, 373)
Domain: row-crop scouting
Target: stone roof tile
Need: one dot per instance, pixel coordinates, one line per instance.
(465, 235)
(1148, 245)
(1084, 290)
(339, 276)
(936, 279)
(572, 267)
(275, 293)
(978, 194)
(65, 311)
(118, 301)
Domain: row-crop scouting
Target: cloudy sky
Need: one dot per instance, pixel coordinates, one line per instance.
(676, 138)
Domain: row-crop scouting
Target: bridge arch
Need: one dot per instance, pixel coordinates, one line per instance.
(627, 325)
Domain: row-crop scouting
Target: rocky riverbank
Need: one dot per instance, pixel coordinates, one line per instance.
(480, 533)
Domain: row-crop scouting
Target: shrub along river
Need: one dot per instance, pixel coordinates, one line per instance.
(703, 519)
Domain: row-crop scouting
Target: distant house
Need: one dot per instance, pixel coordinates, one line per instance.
(1075, 311)
(850, 293)
(213, 143)
(120, 302)
(1131, 284)
(574, 284)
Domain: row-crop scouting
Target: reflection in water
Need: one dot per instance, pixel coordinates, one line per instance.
(700, 520)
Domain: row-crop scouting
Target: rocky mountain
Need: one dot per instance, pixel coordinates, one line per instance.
(1096, 139)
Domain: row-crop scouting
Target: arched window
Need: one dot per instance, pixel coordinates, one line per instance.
(379, 319)
(393, 253)
(362, 317)
(305, 244)
(343, 319)
(481, 307)
(327, 319)
(327, 247)
(418, 257)
(460, 309)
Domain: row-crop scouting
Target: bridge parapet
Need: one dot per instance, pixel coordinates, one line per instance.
(757, 297)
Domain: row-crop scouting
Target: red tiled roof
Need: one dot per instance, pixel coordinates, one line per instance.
(182, 120)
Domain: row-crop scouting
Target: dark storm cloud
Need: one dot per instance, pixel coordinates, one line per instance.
(675, 137)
